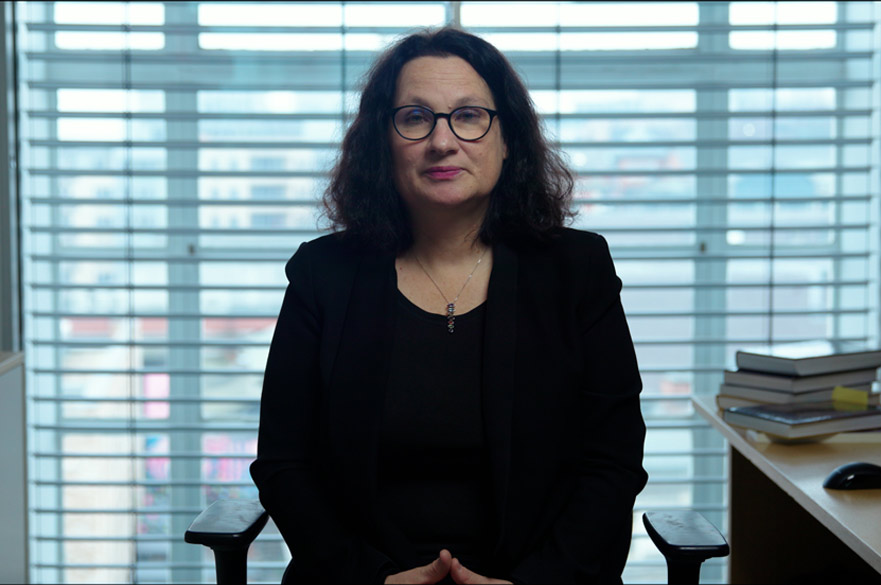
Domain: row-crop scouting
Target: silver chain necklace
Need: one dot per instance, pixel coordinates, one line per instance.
(451, 305)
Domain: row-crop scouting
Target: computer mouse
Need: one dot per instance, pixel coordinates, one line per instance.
(856, 475)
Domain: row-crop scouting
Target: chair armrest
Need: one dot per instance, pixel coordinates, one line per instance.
(684, 535)
(228, 524)
(686, 539)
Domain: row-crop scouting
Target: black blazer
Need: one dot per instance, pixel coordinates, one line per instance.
(560, 405)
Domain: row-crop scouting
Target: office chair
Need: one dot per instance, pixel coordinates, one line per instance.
(684, 537)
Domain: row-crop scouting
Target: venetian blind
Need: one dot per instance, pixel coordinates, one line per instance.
(173, 154)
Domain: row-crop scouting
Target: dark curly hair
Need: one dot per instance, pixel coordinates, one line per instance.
(532, 195)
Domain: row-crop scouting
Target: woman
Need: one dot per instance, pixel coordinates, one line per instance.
(451, 394)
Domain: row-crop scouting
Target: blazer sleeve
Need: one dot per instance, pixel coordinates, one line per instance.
(287, 468)
(590, 540)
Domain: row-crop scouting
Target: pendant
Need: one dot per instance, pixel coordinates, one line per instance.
(451, 319)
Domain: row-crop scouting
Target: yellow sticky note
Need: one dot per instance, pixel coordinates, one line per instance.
(850, 396)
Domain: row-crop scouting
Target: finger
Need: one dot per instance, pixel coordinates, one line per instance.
(462, 575)
(439, 567)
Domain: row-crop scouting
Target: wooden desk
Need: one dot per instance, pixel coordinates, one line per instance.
(783, 525)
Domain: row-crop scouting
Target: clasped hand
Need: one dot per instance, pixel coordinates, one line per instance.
(439, 568)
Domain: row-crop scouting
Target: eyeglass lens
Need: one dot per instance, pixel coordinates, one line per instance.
(468, 123)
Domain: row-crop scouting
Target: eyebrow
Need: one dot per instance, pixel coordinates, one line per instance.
(468, 100)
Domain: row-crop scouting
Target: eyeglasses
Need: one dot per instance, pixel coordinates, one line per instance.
(468, 123)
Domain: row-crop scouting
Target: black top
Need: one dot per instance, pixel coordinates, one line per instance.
(433, 466)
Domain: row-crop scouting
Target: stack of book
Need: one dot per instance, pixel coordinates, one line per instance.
(797, 373)
(806, 421)
(802, 391)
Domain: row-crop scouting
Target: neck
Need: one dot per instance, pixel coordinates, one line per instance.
(447, 249)
(451, 239)
(447, 262)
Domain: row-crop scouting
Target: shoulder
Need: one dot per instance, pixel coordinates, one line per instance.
(571, 238)
(330, 247)
(328, 254)
(570, 260)
(326, 245)
(565, 245)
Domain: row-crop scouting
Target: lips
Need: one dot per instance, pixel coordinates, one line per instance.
(443, 173)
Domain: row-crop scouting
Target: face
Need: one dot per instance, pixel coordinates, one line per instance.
(441, 171)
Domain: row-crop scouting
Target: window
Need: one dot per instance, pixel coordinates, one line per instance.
(173, 153)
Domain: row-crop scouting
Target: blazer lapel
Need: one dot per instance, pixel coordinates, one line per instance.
(360, 372)
(500, 342)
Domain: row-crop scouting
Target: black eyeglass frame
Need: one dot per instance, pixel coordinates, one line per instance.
(448, 116)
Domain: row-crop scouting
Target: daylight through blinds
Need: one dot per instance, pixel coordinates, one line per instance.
(173, 155)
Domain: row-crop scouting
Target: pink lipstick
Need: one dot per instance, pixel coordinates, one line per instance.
(443, 173)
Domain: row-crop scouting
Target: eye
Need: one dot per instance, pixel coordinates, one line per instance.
(414, 116)
(470, 115)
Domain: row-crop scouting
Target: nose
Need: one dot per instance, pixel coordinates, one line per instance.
(442, 138)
